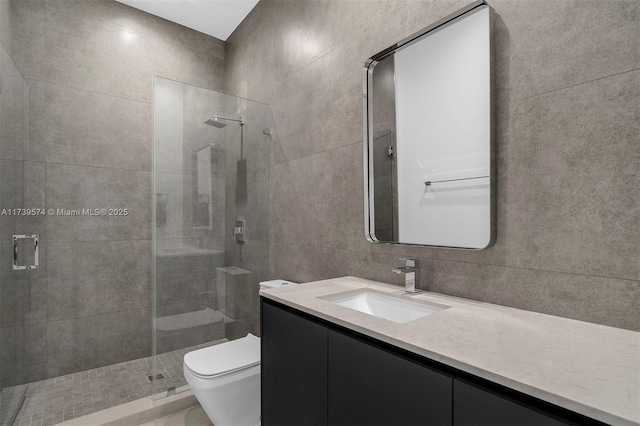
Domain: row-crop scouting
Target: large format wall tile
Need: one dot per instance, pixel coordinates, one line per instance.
(23, 293)
(89, 342)
(168, 150)
(601, 300)
(290, 261)
(28, 36)
(114, 132)
(181, 278)
(11, 339)
(77, 44)
(252, 255)
(557, 44)
(23, 354)
(328, 112)
(35, 353)
(96, 277)
(6, 24)
(573, 200)
(14, 292)
(97, 59)
(13, 111)
(78, 187)
(318, 200)
(12, 189)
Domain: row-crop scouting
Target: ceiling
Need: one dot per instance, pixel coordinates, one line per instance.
(217, 18)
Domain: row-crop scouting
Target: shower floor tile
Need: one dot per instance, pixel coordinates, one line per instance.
(58, 399)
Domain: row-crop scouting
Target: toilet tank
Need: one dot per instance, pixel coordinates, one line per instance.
(264, 285)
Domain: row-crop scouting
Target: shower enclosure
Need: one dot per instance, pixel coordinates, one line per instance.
(76, 289)
(111, 269)
(212, 154)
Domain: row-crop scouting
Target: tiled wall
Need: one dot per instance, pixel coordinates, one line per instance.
(88, 66)
(567, 79)
(5, 41)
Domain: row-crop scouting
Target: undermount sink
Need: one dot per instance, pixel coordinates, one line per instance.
(383, 306)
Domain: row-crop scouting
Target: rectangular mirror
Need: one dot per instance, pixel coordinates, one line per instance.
(427, 128)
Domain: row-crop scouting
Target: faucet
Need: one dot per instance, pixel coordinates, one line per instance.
(411, 273)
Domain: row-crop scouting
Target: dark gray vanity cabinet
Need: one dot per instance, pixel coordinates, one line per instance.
(294, 369)
(314, 375)
(318, 373)
(370, 386)
(475, 406)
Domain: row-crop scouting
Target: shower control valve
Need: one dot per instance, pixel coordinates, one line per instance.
(239, 230)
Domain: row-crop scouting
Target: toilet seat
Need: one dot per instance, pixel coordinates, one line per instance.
(223, 359)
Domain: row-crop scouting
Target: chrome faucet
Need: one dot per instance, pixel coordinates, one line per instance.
(411, 273)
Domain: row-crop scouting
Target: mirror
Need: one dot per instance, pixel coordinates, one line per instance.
(427, 127)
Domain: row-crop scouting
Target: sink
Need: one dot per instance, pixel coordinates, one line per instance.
(382, 306)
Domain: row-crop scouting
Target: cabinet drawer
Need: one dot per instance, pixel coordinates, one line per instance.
(474, 406)
(293, 368)
(371, 386)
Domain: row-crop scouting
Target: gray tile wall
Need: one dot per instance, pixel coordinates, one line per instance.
(5, 41)
(567, 77)
(88, 65)
(16, 287)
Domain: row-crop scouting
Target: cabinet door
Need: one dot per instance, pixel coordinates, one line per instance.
(294, 369)
(370, 386)
(474, 406)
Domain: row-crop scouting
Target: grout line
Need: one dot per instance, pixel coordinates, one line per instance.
(89, 241)
(317, 153)
(574, 85)
(95, 92)
(141, 308)
(462, 261)
(88, 165)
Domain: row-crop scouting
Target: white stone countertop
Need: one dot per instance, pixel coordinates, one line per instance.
(587, 368)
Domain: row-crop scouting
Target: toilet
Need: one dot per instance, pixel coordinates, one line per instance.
(225, 378)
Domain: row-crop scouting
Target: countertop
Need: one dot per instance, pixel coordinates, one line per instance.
(587, 368)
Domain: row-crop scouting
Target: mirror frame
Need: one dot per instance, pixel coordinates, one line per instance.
(370, 64)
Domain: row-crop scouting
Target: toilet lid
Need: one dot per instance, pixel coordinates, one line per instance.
(225, 357)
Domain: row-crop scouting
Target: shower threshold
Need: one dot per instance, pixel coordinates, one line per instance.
(63, 398)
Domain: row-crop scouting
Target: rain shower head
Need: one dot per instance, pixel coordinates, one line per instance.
(217, 121)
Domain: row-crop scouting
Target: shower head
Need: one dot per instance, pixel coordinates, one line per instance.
(216, 121)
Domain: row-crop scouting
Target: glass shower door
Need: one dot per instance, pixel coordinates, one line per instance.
(20, 252)
(212, 156)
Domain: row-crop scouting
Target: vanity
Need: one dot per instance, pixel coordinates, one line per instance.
(326, 361)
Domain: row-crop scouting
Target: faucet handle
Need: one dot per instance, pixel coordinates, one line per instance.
(409, 263)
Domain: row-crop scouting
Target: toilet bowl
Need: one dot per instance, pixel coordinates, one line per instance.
(225, 378)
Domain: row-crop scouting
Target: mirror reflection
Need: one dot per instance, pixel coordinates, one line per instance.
(428, 131)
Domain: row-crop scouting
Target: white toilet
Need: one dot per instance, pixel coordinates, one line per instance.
(225, 378)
